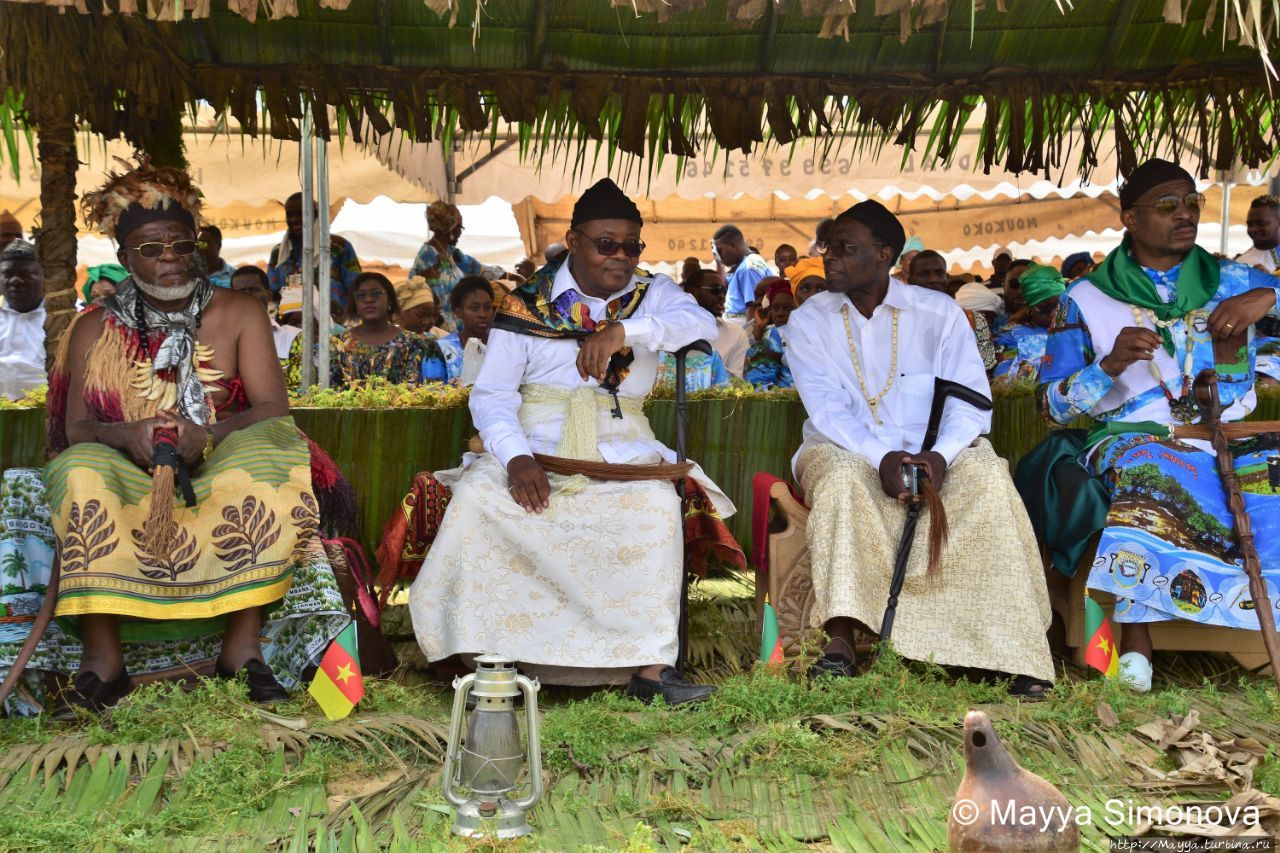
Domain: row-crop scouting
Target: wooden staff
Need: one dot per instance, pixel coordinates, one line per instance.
(38, 627)
(1206, 391)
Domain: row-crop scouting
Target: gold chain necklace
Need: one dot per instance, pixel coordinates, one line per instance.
(873, 402)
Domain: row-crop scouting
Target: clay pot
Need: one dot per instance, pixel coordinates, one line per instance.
(999, 806)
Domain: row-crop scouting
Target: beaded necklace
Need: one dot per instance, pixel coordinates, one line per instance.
(873, 402)
(1183, 408)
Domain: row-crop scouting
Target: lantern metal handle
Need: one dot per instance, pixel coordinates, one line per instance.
(533, 748)
(462, 688)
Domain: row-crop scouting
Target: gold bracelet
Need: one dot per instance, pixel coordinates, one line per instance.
(208, 445)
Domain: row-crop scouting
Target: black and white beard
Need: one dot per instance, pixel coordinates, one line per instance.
(161, 293)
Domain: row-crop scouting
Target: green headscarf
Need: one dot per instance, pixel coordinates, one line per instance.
(1039, 284)
(1121, 277)
(114, 272)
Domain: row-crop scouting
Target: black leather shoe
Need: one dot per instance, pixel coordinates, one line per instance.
(833, 664)
(671, 686)
(88, 692)
(263, 687)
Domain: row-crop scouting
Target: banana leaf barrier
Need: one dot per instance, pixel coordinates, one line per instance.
(379, 450)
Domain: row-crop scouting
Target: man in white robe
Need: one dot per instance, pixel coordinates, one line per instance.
(865, 356)
(578, 577)
(1263, 225)
(22, 352)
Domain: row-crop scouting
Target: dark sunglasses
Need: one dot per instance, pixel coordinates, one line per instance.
(607, 247)
(1169, 203)
(841, 250)
(155, 250)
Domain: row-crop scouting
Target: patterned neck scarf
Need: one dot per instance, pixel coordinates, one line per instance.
(174, 359)
(530, 310)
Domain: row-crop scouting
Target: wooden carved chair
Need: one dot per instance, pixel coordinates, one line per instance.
(787, 579)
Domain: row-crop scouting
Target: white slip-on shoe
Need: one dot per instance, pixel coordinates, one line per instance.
(1135, 672)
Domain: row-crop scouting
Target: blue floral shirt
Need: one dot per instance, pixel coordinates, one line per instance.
(702, 371)
(767, 362)
(442, 272)
(1073, 382)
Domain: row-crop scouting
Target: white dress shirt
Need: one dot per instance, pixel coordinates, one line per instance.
(667, 319)
(732, 345)
(1265, 258)
(21, 351)
(283, 336)
(934, 340)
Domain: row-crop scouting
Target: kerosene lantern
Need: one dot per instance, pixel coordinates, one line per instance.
(480, 774)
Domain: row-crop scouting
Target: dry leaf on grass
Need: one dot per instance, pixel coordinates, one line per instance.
(1203, 760)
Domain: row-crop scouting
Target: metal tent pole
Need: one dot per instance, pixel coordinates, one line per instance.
(1225, 178)
(308, 249)
(326, 264)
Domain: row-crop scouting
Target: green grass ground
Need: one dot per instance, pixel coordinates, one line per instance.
(769, 763)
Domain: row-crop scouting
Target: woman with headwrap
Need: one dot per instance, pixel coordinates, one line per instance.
(807, 277)
(1076, 265)
(418, 309)
(767, 360)
(442, 263)
(101, 281)
(1021, 346)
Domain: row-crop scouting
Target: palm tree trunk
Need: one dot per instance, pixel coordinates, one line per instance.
(56, 237)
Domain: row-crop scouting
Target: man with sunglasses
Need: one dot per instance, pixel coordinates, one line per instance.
(577, 577)
(1127, 342)
(707, 287)
(865, 356)
(180, 490)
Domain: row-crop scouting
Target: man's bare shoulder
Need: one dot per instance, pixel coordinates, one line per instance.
(233, 309)
(87, 325)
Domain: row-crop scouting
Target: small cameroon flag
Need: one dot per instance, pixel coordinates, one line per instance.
(1100, 651)
(338, 684)
(770, 642)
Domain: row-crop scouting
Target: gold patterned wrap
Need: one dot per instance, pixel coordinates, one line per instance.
(987, 608)
(235, 549)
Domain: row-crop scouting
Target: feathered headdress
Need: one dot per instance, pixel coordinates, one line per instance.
(140, 194)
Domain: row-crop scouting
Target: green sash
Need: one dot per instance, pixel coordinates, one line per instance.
(1122, 278)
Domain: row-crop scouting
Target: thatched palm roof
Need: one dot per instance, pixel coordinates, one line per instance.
(667, 76)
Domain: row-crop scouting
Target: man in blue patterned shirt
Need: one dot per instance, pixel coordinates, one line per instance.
(744, 269)
(1126, 344)
(286, 259)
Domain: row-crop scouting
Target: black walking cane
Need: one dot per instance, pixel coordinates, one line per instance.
(681, 440)
(943, 389)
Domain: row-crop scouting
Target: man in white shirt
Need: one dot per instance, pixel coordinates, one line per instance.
(577, 578)
(865, 356)
(707, 287)
(1263, 225)
(22, 352)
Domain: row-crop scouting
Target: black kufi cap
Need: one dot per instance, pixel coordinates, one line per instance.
(135, 216)
(18, 250)
(882, 223)
(1151, 174)
(605, 200)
